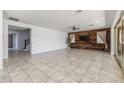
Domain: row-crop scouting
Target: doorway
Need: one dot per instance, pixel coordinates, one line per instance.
(18, 40)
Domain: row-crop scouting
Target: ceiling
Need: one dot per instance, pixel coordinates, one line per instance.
(63, 20)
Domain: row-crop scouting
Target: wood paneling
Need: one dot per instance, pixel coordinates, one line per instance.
(92, 43)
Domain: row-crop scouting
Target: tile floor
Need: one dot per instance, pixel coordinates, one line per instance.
(62, 66)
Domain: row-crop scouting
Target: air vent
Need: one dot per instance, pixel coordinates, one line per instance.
(13, 19)
(78, 11)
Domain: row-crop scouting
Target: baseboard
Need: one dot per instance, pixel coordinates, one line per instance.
(47, 51)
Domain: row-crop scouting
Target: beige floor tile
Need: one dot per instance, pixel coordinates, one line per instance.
(75, 76)
(37, 76)
(108, 75)
(76, 65)
(65, 71)
(81, 70)
(21, 79)
(58, 77)
(50, 81)
(68, 80)
(87, 79)
(4, 78)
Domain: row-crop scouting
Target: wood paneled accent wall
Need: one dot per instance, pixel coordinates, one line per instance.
(92, 43)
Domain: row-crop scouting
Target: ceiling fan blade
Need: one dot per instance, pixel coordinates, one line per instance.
(75, 28)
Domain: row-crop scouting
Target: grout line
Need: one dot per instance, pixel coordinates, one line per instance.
(24, 70)
(24, 58)
(8, 74)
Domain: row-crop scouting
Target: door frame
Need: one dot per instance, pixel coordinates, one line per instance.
(118, 33)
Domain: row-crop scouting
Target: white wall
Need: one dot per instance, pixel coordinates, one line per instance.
(1, 48)
(42, 39)
(5, 39)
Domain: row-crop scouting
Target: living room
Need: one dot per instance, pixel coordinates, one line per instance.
(61, 46)
(75, 47)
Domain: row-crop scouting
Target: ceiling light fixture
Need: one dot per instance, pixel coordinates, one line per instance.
(75, 28)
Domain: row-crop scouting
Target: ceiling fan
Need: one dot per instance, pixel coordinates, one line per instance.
(75, 28)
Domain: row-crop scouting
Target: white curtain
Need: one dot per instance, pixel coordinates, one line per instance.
(72, 37)
(101, 37)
